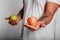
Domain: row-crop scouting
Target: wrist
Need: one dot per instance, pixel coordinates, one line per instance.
(41, 24)
(19, 17)
(42, 21)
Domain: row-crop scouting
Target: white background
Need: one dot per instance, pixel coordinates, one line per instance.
(12, 7)
(8, 8)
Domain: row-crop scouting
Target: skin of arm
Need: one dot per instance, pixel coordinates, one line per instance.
(49, 12)
(20, 14)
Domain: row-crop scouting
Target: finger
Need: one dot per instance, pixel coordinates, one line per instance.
(39, 25)
(25, 24)
(30, 27)
(43, 25)
(11, 22)
(14, 23)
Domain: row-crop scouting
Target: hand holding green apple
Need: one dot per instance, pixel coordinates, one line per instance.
(13, 20)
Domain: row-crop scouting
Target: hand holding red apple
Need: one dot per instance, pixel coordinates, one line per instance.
(33, 24)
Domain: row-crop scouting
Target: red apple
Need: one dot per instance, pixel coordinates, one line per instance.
(33, 21)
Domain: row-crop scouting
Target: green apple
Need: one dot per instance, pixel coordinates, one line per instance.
(13, 17)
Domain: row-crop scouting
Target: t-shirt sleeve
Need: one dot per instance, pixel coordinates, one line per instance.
(54, 1)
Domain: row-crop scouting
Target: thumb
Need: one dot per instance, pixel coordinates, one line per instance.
(7, 18)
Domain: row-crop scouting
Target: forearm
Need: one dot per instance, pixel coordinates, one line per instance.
(21, 13)
(49, 12)
(46, 19)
